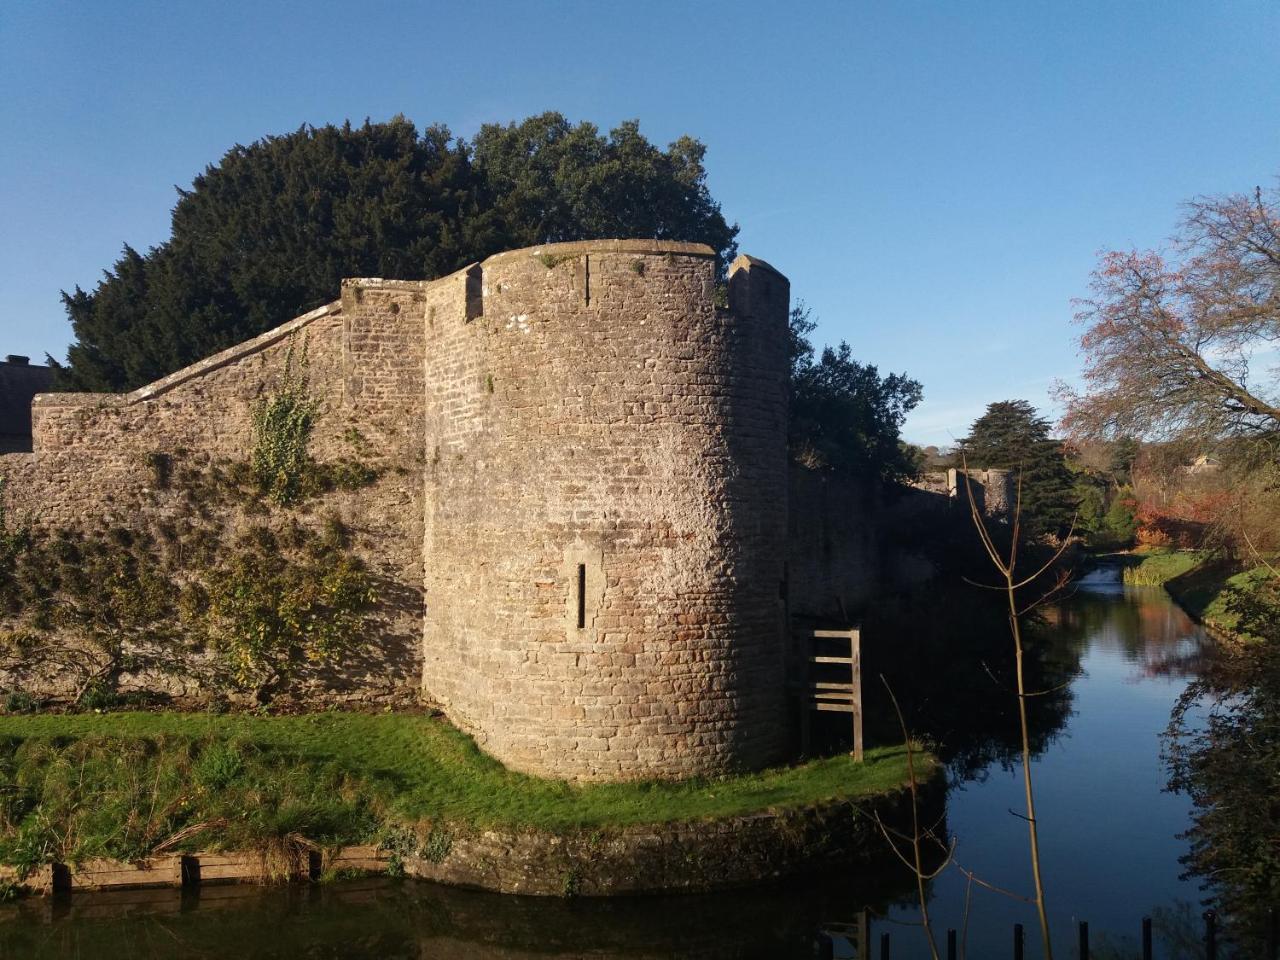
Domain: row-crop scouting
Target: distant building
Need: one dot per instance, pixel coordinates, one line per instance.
(20, 381)
(1204, 464)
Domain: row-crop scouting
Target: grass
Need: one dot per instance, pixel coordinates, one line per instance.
(1199, 583)
(1157, 567)
(120, 784)
(1203, 592)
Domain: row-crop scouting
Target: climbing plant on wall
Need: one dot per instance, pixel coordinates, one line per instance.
(240, 598)
(282, 425)
(282, 600)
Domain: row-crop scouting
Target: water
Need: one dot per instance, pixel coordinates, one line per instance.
(1114, 661)
(1109, 828)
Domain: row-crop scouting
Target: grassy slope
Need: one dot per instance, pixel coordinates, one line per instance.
(1199, 584)
(118, 784)
(1203, 591)
(1157, 567)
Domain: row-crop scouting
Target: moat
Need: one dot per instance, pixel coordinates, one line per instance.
(1110, 836)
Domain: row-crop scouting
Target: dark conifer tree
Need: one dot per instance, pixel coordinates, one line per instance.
(271, 230)
(1011, 436)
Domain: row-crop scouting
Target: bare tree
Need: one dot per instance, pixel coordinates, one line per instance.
(1170, 344)
(1011, 583)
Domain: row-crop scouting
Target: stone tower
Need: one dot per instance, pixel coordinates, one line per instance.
(606, 508)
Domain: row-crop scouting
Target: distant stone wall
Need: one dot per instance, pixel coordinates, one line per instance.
(992, 490)
(20, 381)
(833, 564)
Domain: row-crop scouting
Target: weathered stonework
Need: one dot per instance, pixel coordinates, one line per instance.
(587, 522)
(993, 490)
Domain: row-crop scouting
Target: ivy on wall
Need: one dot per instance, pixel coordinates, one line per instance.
(232, 581)
(282, 425)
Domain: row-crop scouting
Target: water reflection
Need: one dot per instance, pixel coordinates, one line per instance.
(1223, 752)
(1114, 663)
(389, 920)
(949, 658)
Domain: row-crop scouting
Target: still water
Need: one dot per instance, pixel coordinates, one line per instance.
(1113, 662)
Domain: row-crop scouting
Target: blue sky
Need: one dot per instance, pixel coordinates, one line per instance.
(935, 178)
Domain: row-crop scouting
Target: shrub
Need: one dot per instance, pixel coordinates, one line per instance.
(272, 612)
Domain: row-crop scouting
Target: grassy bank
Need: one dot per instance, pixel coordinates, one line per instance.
(1155, 568)
(1204, 591)
(124, 785)
(1201, 584)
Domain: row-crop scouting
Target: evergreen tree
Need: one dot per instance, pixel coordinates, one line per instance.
(1011, 436)
(271, 230)
(844, 414)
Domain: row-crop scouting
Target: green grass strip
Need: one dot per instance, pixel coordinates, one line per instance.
(118, 784)
(1156, 568)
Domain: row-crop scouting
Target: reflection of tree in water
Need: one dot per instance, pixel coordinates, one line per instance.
(1154, 634)
(1177, 933)
(948, 656)
(1228, 762)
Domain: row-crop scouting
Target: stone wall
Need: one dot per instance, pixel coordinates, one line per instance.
(587, 481)
(90, 467)
(20, 381)
(993, 490)
(833, 565)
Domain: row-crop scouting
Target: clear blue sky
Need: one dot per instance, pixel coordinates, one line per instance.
(935, 178)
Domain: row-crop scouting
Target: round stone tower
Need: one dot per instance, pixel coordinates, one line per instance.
(606, 508)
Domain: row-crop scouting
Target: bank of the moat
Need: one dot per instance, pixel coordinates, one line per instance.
(282, 794)
(1115, 663)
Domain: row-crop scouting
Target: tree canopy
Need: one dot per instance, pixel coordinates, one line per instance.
(1172, 347)
(271, 230)
(843, 413)
(1010, 435)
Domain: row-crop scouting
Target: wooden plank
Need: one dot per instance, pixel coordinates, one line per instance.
(855, 676)
(39, 880)
(836, 707)
(845, 660)
(100, 874)
(823, 685)
(833, 634)
(843, 697)
(225, 867)
(364, 859)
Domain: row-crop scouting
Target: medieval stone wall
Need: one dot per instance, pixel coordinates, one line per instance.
(20, 381)
(90, 466)
(586, 482)
(833, 564)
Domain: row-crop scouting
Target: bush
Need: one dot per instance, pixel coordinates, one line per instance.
(272, 612)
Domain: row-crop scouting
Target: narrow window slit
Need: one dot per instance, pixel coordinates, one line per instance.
(582, 595)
